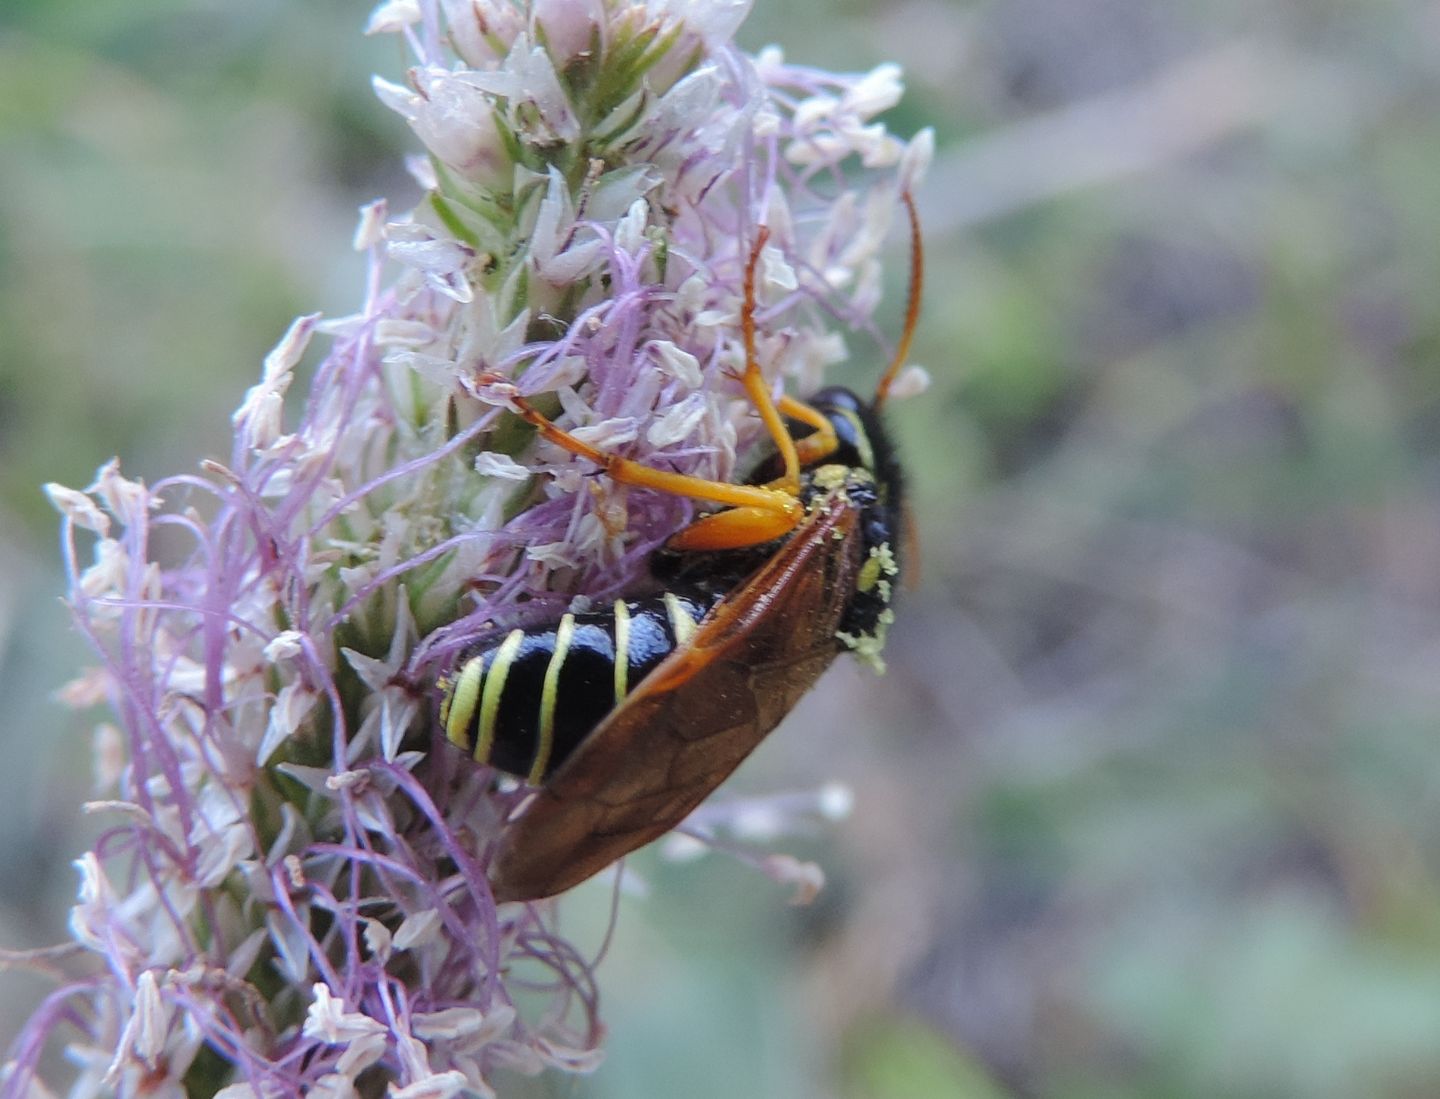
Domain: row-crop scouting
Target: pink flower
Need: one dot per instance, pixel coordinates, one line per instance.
(287, 895)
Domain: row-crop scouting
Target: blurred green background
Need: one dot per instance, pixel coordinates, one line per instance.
(1149, 803)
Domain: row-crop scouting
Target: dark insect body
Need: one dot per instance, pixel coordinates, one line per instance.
(523, 703)
(627, 718)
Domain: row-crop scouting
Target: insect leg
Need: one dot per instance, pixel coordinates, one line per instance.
(822, 443)
(760, 512)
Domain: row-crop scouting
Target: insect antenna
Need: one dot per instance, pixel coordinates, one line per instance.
(912, 308)
(754, 381)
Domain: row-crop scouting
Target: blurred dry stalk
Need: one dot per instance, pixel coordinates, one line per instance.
(1183, 110)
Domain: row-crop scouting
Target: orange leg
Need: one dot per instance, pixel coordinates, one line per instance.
(737, 528)
(820, 445)
(759, 512)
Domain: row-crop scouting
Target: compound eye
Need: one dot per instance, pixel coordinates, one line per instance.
(836, 398)
(849, 437)
(848, 415)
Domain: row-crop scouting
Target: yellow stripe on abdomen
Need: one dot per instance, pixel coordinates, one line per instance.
(681, 624)
(549, 698)
(622, 651)
(494, 688)
(458, 709)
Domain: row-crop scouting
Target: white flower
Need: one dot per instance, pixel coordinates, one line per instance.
(444, 263)
(537, 104)
(457, 123)
(392, 16)
(79, 508)
(678, 422)
(677, 362)
(567, 25)
(327, 1019)
(149, 1026)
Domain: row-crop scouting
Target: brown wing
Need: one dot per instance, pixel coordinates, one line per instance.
(692, 720)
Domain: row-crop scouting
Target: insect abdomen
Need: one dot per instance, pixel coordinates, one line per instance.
(523, 700)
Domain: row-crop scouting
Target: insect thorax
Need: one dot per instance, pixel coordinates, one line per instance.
(523, 699)
(867, 615)
(865, 467)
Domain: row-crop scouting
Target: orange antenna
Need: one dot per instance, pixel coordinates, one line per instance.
(754, 382)
(912, 308)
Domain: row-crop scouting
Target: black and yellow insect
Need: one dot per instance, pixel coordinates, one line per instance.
(627, 717)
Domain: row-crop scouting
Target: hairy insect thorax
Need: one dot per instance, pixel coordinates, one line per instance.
(864, 463)
(864, 467)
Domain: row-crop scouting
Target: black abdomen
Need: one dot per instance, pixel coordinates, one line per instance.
(524, 699)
